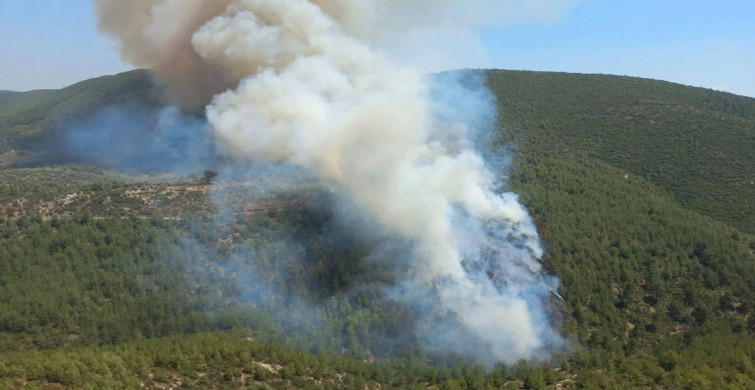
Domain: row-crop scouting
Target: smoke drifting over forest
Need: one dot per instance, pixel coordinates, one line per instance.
(338, 87)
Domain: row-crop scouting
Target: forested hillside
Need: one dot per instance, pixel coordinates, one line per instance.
(641, 189)
(695, 144)
(29, 120)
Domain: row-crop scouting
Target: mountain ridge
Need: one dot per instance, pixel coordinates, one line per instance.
(700, 131)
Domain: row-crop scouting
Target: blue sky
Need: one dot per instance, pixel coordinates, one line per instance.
(701, 43)
(53, 43)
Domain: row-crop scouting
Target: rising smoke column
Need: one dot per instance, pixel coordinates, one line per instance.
(311, 83)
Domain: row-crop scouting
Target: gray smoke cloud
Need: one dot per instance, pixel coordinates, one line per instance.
(328, 85)
(140, 139)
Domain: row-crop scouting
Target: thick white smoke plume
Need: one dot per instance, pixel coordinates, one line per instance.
(317, 84)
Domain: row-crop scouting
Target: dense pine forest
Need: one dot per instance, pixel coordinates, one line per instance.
(123, 278)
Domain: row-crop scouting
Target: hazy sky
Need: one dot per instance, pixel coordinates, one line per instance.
(53, 43)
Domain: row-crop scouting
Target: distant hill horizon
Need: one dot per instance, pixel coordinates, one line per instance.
(94, 77)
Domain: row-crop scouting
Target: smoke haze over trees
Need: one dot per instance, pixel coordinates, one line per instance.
(315, 84)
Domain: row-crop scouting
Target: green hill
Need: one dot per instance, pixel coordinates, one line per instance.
(695, 144)
(28, 120)
(34, 113)
(641, 189)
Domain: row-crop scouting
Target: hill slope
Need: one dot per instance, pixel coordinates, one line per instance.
(657, 265)
(28, 120)
(696, 144)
